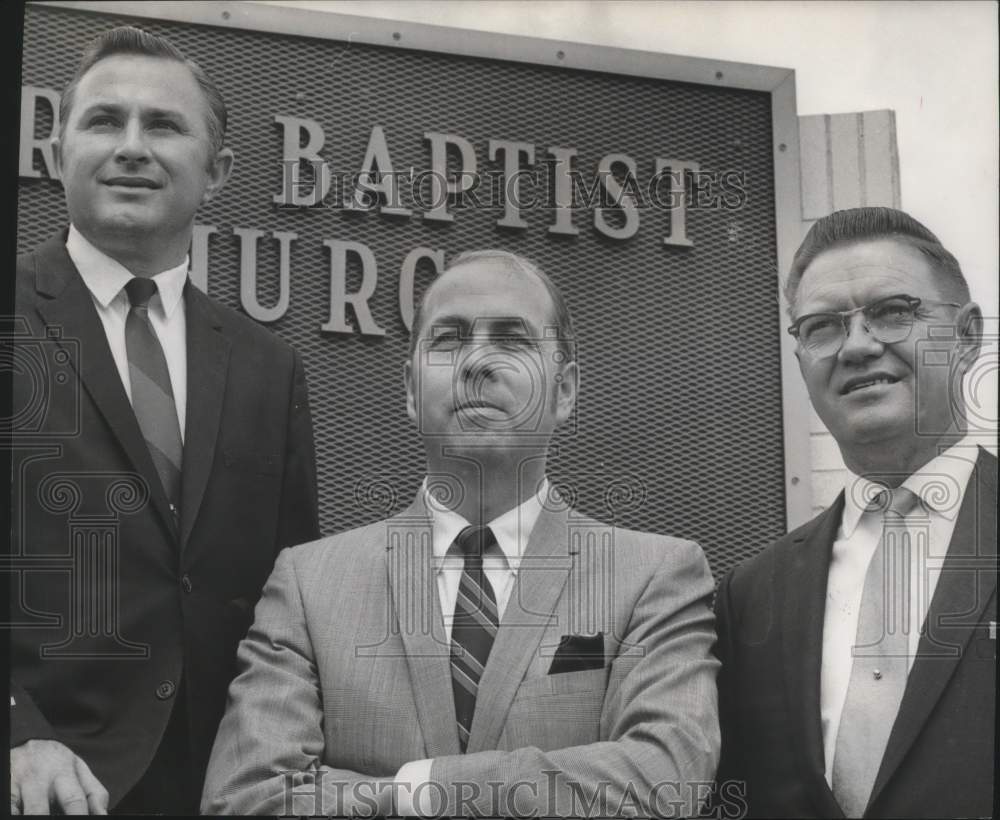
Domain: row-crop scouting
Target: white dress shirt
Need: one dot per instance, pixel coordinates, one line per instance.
(105, 279)
(512, 531)
(940, 486)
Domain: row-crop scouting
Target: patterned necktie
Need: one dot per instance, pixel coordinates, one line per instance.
(878, 674)
(474, 627)
(152, 395)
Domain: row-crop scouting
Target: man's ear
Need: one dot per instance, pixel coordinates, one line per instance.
(801, 358)
(567, 388)
(56, 144)
(218, 172)
(411, 400)
(969, 327)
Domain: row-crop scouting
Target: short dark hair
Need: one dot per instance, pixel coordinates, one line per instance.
(560, 309)
(131, 40)
(854, 225)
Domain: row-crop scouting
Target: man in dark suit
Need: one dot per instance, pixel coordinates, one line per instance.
(859, 651)
(163, 453)
(503, 654)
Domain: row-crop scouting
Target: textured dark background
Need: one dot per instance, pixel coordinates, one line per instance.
(679, 426)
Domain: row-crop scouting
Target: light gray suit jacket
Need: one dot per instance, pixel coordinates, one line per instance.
(345, 676)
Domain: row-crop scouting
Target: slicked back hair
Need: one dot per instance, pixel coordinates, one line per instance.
(131, 40)
(856, 225)
(561, 317)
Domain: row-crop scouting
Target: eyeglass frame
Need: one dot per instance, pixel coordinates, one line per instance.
(914, 302)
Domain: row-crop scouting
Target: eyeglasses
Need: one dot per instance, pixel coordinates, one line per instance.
(888, 320)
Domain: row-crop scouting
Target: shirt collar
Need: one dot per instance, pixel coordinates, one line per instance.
(512, 529)
(940, 485)
(105, 278)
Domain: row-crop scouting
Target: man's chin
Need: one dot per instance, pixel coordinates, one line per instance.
(129, 222)
(485, 440)
(119, 223)
(874, 428)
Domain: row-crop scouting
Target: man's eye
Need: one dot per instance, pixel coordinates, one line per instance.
(513, 341)
(102, 121)
(894, 311)
(163, 125)
(819, 324)
(445, 340)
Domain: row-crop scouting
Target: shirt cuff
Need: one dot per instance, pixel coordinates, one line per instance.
(413, 798)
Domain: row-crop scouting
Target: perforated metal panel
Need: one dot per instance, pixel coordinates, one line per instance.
(679, 426)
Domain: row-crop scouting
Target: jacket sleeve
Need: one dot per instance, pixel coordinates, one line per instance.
(728, 783)
(661, 710)
(26, 720)
(269, 747)
(298, 520)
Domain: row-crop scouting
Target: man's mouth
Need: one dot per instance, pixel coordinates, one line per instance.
(132, 182)
(866, 382)
(476, 404)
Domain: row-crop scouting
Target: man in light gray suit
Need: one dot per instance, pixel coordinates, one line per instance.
(490, 650)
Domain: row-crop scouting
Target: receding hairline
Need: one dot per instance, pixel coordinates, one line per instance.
(126, 55)
(132, 41)
(497, 262)
(849, 227)
(482, 263)
(558, 314)
(946, 285)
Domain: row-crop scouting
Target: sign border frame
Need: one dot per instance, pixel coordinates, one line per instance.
(779, 83)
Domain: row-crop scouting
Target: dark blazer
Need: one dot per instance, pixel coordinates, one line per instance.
(939, 761)
(114, 600)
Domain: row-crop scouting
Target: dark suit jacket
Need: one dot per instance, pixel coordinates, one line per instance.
(114, 601)
(939, 761)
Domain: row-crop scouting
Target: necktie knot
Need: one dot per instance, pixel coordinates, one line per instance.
(475, 542)
(140, 290)
(895, 503)
(903, 501)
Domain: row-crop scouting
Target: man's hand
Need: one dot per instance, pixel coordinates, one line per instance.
(45, 774)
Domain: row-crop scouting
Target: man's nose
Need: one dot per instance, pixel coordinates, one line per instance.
(859, 342)
(132, 145)
(477, 359)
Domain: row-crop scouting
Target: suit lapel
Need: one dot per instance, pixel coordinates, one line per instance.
(66, 305)
(803, 573)
(540, 581)
(951, 622)
(207, 362)
(413, 587)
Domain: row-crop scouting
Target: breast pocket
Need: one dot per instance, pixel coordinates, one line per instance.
(555, 711)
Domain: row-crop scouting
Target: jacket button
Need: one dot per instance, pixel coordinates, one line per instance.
(165, 690)
(186, 584)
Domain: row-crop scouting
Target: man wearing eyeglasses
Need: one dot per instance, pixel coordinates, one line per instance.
(859, 651)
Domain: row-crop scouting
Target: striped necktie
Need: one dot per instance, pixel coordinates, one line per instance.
(473, 628)
(881, 663)
(152, 394)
